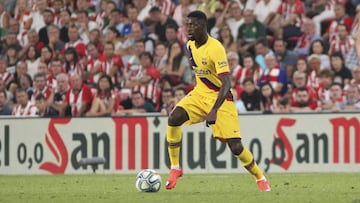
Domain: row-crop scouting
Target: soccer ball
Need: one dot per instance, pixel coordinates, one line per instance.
(148, 180)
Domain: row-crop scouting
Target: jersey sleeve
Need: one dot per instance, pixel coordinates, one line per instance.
(218, 56)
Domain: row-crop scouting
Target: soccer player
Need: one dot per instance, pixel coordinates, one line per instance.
(211, 100)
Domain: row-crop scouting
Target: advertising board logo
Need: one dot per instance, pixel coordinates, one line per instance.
(57, 147)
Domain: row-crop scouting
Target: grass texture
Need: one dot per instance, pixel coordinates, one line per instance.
(197, 188)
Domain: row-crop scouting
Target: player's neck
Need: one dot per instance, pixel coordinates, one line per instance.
(202, 40)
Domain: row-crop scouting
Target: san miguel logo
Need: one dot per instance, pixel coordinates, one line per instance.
(57, 147)
(317, 147)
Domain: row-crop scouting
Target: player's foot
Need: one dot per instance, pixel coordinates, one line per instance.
(173, 176)
(263, 185)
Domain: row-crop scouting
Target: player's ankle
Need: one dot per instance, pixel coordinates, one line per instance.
(175, 167)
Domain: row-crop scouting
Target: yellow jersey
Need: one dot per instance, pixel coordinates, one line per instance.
(208, 61)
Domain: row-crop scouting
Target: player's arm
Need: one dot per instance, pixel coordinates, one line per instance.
(224, 90)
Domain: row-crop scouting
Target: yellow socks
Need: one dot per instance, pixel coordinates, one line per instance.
(247, 160)
(173, 137)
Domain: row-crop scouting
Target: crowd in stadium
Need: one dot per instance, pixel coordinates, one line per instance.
(122, 57)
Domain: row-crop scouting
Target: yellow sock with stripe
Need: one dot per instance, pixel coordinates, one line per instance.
(247, 160)
(173, 137)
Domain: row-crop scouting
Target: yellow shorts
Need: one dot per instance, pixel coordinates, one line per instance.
(227, 122)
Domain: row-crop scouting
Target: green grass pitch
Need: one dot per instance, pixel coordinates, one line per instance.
(219, 188)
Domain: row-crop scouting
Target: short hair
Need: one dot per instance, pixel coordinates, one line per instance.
(326, 73)
(302, 89)
(62, 76)
(337, 54)
(172, 26)
(180, 89)
(40, 97)
(199, 15)
(155, 9)
(248, 79)
(284, 101)
(168, 90)
(40, 75)
(263, 41)
(148, 54)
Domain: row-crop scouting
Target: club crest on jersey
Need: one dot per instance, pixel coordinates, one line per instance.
(203, 61)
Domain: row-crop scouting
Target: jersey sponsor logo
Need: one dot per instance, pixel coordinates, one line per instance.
(222, 64)
(203, 61)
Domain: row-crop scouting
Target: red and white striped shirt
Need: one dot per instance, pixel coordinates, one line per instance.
(313, 80)
(79, 45)
(149, 90)
(341, 46)
(77, 100)
(46, 92)
(100, 64)
(115, 61)
(7, 77)
(286, 11)
(332, 28)
(27, 111)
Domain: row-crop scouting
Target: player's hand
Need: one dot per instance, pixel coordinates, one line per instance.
(211, 118)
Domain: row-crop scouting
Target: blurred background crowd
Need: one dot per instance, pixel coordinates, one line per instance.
(122, 57)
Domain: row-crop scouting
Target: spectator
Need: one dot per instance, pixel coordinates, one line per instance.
(26, 83)
(21, 69)
(283, 106)
(342, 74)
(289, 19)
(171, 34)
(5, 108)
(337, 100)
(46, 54)
(167, 6)
(78, 97)
(250, 69)
(114, 65)
(96, 37)
(251, 95)
(303, 101)
(59, 94)
(44, 110)
(275, 75)
(268, 98)
(25, 19)
(301, 65)
(249, 32)
(235, 68)
(299, 81)
(138, 33)
(168, 101)
(56, 67)
(37, 15)
(226, 39)
(317, 47)
(113, 36)
(73, 64)
(160, 56)
(314, 70)
(265, 11)
(179, 93)
(40, 87)
(55, 42)
(48, 16)
(5, 75)
(5, 17)
(261, 50)
(143, 8)
(326, 77)
(84, 25)
(306, 39)
(340, 18)
(96, 64)
(139, 105)
(356, 76)
(352, 101)
(177, 69)
(343, 42)
(147, 78)
(235, 18)
(184, 5)
(105, 102)
(32, 58)
(24, 108)
(12, 58)
(162, 21)
(65, 22)
(284, 57)
(75, 41)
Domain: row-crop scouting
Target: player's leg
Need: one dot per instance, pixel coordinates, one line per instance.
(173, 136)
(247, 160)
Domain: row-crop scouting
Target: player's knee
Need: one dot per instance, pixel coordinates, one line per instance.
(177, 117)
(236, 147)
